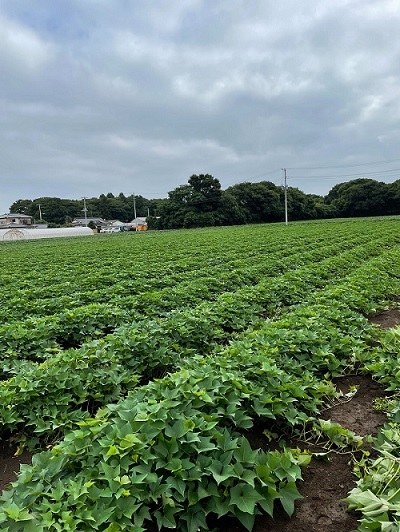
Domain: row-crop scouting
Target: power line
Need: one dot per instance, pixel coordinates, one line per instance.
(332, 176)
(265, 174)
(341, 166)
(345, 175)
(247, 179)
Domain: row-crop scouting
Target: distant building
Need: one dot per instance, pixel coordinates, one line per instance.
(115, 226)
(139, 223)
(16, 220)
(116, 223)
(82, 222)
(111, 226)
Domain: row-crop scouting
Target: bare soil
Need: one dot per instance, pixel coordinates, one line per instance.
(10, 463)
(325, 482)
(387, 319)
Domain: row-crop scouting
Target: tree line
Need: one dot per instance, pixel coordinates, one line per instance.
(58, 212)
(202, 203)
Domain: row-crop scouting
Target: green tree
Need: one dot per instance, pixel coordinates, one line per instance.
(258, 202)
(205, 192)
(230, 212)
(173, 211)
(301, 206)
(195, 204)
(22, 206)
(103, 207)
(156, 208)
(360, 197)
(55, 210)
(393, 200)
(321, 208)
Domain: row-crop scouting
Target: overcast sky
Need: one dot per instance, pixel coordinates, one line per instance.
(135, 96)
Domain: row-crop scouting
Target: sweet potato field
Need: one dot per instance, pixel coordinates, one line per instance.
(135, 366)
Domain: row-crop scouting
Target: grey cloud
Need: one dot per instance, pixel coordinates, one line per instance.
(104, 96)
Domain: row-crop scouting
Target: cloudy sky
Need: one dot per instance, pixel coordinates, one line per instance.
(135, 96)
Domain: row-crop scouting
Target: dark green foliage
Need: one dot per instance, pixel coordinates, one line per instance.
(202, 203)
(210, 333)
(258, 202)
(58, 211)
(361, 197)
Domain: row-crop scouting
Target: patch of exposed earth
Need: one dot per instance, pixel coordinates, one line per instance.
(325, 482)
(387, 319)
(10, 463)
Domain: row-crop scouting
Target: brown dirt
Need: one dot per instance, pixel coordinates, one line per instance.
(10, 464)
(325, 482)
(387, 319)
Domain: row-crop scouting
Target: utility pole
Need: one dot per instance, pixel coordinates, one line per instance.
(40, 212)
(134, 210)
(85, 210)
(285, 189)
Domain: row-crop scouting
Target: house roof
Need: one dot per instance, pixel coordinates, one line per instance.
(15, 215)
(139, 220)
(87, 220)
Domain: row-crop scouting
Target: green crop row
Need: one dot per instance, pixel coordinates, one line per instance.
(377, 493)
(50, 284)
(174, 452)
(132, 293)
(183, 390)
(38, 339)
(52, 396)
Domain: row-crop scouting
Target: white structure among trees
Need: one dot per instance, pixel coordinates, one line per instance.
(29, 234)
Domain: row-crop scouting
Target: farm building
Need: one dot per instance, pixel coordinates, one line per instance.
(139, 223)
(15, 220)
(115, 226)
(31, 234)
(83, 222)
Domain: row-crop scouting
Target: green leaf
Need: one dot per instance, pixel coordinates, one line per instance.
(17, 514)
(248, 476)
(114, 527)
(167, 519)
(245, 498)
(112, 451)
(221, 472)
(130, 440)
(288, 494)
(218, 506)
(245, 453)
(246, 519)
(267, 504)
(128, 506)
(110, 472)
(205, 444)
(196, 520)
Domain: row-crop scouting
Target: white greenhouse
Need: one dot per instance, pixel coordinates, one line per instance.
(30, 234)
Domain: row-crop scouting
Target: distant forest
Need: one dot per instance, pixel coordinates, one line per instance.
(202, 203)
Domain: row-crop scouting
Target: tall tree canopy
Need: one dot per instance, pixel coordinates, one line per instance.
(196, 204)
(258, 202)
(360, 197)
